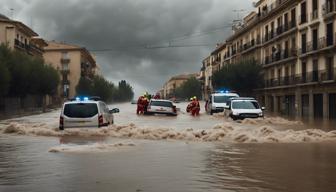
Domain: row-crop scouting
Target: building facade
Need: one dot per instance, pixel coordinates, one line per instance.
(18, 36)
(72, 62)
(173, 83)
(294, 41)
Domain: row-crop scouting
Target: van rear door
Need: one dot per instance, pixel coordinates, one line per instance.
(80, 115)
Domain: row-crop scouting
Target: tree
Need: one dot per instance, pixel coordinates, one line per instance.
(103, 88)
(4, 79)
(106, 90)
(192, 87)
(243, 77)
(125, 92)
(84, 86)
(50, 80)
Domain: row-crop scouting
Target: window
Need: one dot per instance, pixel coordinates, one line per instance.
(161, 104)
(330, 67)
(65, 66)
(245, 105)
(315, 39)
(80, 110)
(330, 32)
(303, 12)
(65, 55)
(304, 43)
(315, 70)
(293, 18)
(315, 9)
(222, 99)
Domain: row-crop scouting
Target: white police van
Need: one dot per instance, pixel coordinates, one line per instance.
(86, 112)
(217, 101)
(243, 107)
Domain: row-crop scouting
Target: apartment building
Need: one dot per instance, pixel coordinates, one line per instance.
(294, 41)
(210, 65)
(20, 37)
(299, 56)
(173, 83)
(72, 62)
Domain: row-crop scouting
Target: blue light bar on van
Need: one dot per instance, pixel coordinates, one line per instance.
(222, 91)
(78, 99)
(85, 98)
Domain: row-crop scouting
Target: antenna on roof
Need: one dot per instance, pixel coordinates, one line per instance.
(238, 11)
(12, 13)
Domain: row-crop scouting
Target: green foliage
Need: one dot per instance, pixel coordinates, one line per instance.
(99, 86)
(84, 86)
(4, 79)
(124, 92)
(192, 87)
(26, 74)
(243, 77)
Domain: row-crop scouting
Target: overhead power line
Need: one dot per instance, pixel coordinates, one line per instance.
(168, 43)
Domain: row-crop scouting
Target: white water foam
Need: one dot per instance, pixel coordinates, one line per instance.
(226, 132)
(96, 147)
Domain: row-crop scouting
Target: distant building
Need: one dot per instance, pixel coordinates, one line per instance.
(173, 83)
(72, 62)
(210, 65)
(20, 37)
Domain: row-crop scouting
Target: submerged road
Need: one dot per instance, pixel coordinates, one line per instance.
(160, 153)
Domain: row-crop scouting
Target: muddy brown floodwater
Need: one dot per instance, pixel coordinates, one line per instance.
(159, 153)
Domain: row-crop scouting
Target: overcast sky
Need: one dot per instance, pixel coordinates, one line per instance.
(125, 27)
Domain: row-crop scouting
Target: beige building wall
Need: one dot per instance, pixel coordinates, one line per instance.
(72, 62)
(175, 82)
(73, 69)
(18, 36)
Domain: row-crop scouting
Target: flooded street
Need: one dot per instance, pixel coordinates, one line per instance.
(159, 153)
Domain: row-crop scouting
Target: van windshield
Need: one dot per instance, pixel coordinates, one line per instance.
(245, 105)
(80, 110)
(222, 99)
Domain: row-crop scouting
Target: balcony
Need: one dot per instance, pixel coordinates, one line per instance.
(313, 47)
(65, 82)
(65, 60)
(36, 49)
(329, 8)
(65, 71)
(279, 32)
(314, 15)
(321, 76)
(280, 56)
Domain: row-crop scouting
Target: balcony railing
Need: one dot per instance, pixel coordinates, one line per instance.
(65, 60)
(279, 31)
(65, 71)
(328, 7)
(314, 15)
(29, 48)
(281, 55)
(309, 77)
(322, 43)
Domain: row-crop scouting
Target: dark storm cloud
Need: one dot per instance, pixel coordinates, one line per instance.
(126, 26)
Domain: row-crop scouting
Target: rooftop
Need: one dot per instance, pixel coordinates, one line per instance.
(3, 17)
